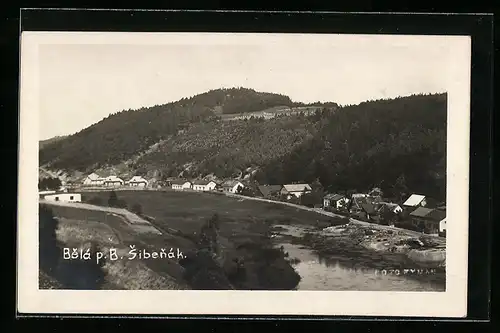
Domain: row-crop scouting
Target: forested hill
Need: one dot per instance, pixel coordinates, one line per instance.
(398, 145)
(124, 134)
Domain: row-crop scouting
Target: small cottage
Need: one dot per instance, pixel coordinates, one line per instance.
(181, 185)
(428, 219)
(138, 181)
(64, 197)
(113, 181)
(296, 190)
(232, 186)
(335, 201)
(392, 207)
(269, 191)
(93, 179)
(370, 211)
(204, 185)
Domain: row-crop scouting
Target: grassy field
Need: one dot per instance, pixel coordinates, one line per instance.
(187, 211)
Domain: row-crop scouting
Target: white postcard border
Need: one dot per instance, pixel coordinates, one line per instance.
(451, 303)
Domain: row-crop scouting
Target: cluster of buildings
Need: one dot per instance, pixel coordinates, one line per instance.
(370, 207)
(113, 181)
(415, 210)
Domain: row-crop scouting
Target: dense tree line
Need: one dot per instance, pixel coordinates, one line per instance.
(398, 145)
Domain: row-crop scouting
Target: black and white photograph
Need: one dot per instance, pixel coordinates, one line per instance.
(245, 162)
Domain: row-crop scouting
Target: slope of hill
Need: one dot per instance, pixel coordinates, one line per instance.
(225, 149)
(124, 134)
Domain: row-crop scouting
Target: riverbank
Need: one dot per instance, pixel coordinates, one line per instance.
(378, 250)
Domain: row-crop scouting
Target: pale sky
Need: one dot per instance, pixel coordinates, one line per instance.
(83, 80)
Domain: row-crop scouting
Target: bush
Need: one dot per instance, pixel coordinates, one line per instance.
(113, 199)
(137, 209)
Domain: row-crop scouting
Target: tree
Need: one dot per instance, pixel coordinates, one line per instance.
(49, 184)
(48, 246)
(137, 209)
(113, 199)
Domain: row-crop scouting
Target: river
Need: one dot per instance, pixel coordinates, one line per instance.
(321, 273)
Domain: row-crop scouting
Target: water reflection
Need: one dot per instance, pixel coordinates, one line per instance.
(320, 273)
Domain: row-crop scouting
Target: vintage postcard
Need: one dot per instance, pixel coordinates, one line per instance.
(243, 174)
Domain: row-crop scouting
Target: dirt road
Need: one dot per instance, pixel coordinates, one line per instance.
(351, 220)
(134, 221)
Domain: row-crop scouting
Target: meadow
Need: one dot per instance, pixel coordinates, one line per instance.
(187, 211)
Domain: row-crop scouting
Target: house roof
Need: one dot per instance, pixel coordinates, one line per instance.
(421, 212)
(268, 189)
(202, 182)
(334, 197)
(180, 181)
(369, 208)
(297, 187)
(231, 183)
(414, 200)
(436, 215)
(389, 205)
(137, 179)
(112, 178)
(93, 176)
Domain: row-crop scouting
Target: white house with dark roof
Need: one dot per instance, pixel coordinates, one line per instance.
(295, 189)
(138, 181)
(113, 181)
(335, 201)
(232, 186)
(204, 185)
(181, 185)
(93, 179)
(393, 207)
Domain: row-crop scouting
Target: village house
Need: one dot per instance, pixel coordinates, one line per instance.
(269, 191)
(138, 181)
(370, 212)
(442, 227)
(427, 219)
(204, 185)
(93, 179)
(113, 181)
(415, 200)
(296, 190)
(335, 201)
(357, 199)
(181, 185)
(392, 207)
(64, 197)
(232, 186)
